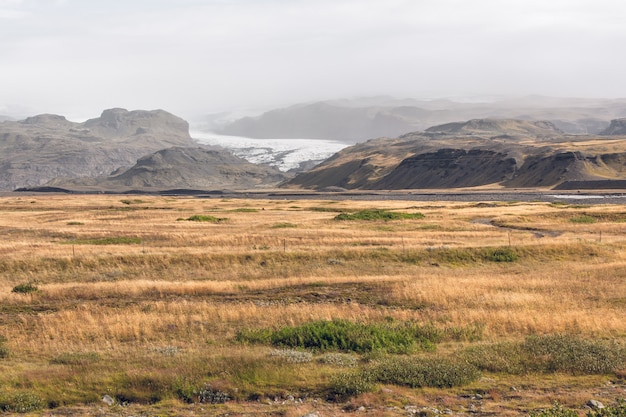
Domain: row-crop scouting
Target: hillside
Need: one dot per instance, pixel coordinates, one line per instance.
(182, 168)
(40, 148)
(481, 152)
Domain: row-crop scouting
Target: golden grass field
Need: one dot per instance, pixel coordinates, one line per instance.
(144, 318)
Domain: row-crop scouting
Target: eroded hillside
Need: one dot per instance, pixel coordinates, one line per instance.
(480, 152)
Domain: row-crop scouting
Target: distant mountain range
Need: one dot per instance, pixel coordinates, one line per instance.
(48, 149)
(361, 119)
(152, 150)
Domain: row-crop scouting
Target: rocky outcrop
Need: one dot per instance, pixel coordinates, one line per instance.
(38, 149)
(617, 127)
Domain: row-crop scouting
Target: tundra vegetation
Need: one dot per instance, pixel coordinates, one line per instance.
(351, 307)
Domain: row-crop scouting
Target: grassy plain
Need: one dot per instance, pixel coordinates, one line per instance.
(146, 299)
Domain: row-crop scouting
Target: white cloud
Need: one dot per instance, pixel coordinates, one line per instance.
(192, 55)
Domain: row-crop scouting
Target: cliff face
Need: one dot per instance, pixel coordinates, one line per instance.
(617, 127)
(449, 168)
(40, 148)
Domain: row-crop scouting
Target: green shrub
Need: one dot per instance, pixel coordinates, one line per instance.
(348, 384)
(343, 335)
(4, 350)
(550, 353)
(557, 410)
(423, 372)
(135, 201)
(501, 255)
(23, 402)
(584, 218)
(25, 288)
(283, 225)
(203, 218)
(563, 353)
(378, 215)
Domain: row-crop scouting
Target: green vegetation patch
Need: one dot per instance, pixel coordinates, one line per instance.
(384, 215)
(548, 354)
(22, 402)
(414, 372)
(203, 218)
(423, 372)
(343, 335)
(284, 226)
(328, 209)
(25, 288)
(76, 358)
(120, 240)
(4, 349)
(244, 210)
(584, 218)
(557, 410)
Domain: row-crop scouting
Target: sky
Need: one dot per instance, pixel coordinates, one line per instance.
(194, 57)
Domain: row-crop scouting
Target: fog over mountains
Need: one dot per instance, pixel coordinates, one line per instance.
(361, 119)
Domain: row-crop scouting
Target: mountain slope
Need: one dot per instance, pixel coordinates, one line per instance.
(185, 168)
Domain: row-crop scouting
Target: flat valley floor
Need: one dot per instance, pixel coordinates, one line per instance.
(158, 305)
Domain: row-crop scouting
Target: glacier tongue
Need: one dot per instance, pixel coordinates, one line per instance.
(285, 154)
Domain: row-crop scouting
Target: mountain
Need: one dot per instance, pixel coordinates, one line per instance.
(38, 149)
(617, 127)
(361, 119)
(479, 152)
(205, 168)
(325, 121)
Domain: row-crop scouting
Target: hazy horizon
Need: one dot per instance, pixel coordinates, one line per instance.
(193, 57)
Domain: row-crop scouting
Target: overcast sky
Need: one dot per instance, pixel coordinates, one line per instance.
(192, 57)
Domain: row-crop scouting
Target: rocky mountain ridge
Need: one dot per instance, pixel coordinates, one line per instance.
(479, 152)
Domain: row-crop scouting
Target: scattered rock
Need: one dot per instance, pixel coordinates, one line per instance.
(108, 400)
(596, 405)
(313, 414)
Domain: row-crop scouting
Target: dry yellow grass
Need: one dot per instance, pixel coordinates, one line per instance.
(273, 263)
